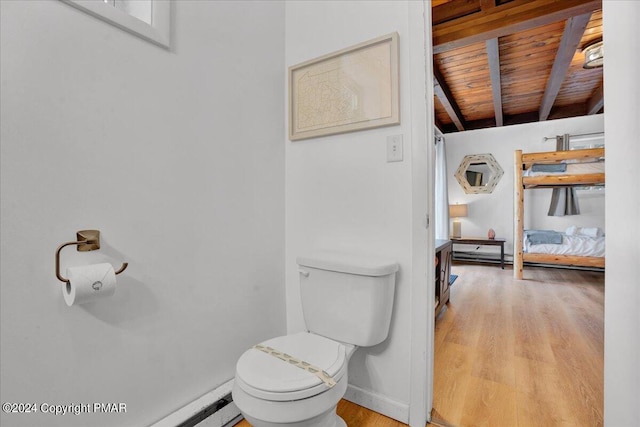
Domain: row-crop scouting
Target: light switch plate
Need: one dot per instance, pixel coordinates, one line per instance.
(394, 148)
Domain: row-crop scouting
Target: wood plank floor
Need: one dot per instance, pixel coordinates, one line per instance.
(521, 353)
(514, 353)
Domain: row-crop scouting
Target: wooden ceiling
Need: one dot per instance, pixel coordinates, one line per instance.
(503, 62)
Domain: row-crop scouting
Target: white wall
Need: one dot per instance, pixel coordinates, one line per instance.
(622, 283)
(495, 210)
(178, 158)
(342, 194)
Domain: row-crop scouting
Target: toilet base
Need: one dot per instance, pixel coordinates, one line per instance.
(315, 411)
(328, 419)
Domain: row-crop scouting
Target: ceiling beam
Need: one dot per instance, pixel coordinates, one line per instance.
(596, 102)
(448, 128)
(508, 18)
(441, 127)
(445, 96)
(571, 110)
(453, 9)
(508, 120)
(493, 54)
(573, 31)
(487, 4)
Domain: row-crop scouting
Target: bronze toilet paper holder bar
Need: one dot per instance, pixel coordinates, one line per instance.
(86, 240)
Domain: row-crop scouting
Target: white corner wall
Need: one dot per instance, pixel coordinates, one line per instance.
(178, 158)
(342, 194)
(622, 281)
(495, 210)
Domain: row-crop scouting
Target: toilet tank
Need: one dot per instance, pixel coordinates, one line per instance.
(346, 297)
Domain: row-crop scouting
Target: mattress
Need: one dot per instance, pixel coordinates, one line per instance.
(571, 245)
(572, 169)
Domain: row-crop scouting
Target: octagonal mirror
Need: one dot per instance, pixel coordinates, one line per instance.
(479, 173)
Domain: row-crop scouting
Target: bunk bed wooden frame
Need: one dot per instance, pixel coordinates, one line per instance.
(523, 162)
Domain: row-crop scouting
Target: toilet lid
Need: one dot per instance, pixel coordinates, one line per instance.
(265, 373)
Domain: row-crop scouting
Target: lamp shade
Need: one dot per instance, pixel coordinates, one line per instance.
(457, 211)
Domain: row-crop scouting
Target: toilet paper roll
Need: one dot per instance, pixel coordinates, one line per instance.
(89, 283)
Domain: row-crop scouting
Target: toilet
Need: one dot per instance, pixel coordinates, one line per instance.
(297, 380)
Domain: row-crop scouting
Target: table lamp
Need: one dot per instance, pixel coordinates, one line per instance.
(456, 212)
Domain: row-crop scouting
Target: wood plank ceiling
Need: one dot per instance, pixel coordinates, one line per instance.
(503, 62)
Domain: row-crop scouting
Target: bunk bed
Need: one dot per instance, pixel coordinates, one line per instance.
(583, 168)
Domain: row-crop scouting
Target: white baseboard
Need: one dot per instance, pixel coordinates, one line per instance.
(380, 404)
(218, 419)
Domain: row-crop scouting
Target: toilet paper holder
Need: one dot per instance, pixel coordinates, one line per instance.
(86, 240)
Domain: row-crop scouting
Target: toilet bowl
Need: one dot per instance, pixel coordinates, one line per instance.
(297, 380)
(272, 392)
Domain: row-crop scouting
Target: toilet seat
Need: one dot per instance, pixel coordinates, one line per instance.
(266, 377)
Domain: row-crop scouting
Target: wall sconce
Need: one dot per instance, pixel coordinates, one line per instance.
(594, 55)
(456, 212)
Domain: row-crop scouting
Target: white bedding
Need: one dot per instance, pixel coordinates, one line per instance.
(571, 245)
(572, 169)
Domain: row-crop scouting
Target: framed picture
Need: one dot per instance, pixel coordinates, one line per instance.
(353, 89)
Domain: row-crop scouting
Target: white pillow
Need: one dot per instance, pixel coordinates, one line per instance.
(571, 231)
(591, 232)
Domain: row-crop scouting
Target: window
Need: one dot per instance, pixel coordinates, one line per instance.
(148, 19)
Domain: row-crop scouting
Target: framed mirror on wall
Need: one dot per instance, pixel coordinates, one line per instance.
(479, 173)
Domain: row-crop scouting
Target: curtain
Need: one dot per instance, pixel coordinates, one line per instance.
(441, 191)
(564, 201)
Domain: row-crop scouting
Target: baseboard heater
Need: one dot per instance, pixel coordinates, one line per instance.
(210, 411)
(484, 257)
(214, 409)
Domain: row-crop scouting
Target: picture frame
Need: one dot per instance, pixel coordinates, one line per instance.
(352, 89)
(157, 30)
